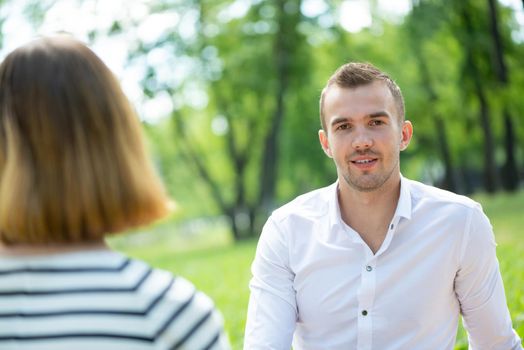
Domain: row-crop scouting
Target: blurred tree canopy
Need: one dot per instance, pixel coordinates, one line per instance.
(244, 77)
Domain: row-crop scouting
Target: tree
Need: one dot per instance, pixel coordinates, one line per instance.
(509, 170)
(417, 31)
(472, 39)
(257, 60)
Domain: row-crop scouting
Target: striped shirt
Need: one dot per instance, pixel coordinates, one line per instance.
(101, 300)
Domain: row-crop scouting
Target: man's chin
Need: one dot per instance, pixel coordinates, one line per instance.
(360, 184)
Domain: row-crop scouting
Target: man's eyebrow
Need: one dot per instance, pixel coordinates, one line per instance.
(338, 120)
(379, 114)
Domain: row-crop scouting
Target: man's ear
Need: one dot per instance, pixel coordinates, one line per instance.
(324, 142)
(407, 133)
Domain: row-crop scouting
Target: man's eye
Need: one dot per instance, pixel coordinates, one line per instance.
(343, 127)
(376, 122)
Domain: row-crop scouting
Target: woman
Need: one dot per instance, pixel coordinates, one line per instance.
(73, 169)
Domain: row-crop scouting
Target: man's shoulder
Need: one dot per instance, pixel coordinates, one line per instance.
(437, 196)
(308, 205)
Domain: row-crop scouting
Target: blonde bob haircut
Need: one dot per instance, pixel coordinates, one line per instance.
(73, 167)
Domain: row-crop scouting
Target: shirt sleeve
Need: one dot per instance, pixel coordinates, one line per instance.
(480, 289)
(272, 310)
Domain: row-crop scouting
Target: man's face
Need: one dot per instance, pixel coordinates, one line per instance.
(364, 135)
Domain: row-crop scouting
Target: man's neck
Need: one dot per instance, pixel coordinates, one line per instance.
(369, 213)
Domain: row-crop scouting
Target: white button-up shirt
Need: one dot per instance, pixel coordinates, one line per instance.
(317, 285)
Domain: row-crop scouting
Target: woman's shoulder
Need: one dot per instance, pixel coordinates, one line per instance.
(189, 317)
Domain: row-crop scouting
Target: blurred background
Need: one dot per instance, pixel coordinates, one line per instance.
(228, 94)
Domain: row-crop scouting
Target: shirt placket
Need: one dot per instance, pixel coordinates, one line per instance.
(366, 298)
(367, 291)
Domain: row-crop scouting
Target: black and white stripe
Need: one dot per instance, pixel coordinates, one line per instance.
(101, 300)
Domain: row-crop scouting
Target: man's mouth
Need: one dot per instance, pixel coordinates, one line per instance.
(363, 161)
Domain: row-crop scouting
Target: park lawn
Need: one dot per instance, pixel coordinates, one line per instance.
(222, 269)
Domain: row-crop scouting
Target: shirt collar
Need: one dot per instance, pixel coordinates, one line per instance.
(334, 209)
(403, 206)
(404, 201)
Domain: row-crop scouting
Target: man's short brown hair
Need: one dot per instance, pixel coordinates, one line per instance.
(72, 161)
(355, 74)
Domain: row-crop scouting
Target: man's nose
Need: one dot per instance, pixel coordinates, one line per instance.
(362, 139)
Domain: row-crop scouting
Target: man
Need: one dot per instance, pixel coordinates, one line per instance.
(375, 261)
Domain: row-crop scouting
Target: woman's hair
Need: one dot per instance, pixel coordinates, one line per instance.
(72, 161)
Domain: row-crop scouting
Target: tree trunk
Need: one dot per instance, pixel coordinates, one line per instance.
(510, 176)
(498, 51)
(449, 180)
(240, 223)
(440, 126)
(490, 168)
(237, 210)
(192, 156)
(442, 139)
(269, 170)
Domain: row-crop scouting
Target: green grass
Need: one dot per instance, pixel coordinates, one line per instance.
(203, 252)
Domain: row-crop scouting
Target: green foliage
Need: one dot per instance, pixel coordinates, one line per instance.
(239, 69)
(235, 60)
(207, 256)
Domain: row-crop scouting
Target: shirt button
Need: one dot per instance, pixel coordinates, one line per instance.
(369, 268)
(364, 312)
(392, 226)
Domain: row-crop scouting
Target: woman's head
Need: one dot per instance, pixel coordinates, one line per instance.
(72, 160)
